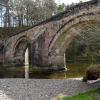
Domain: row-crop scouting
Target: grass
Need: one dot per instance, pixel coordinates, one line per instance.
(90, 95)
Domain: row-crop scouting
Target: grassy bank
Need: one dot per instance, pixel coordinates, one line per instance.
(91, 95)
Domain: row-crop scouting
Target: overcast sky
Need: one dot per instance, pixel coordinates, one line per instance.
(69, 1)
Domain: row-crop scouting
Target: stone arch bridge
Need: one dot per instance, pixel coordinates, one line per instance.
(49, 40)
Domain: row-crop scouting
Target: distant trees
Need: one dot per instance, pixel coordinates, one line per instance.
(86, 46)
(29, 12)
(7, 14)
(61, 7)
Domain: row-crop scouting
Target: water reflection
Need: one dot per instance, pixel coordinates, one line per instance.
(75, 70)
(27, 64)
(21, 72)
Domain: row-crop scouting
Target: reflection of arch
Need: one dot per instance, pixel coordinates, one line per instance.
(20, 47)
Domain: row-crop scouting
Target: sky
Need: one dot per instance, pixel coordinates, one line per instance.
(69, 1)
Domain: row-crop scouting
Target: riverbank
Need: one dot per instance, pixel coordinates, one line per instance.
(89, 95)
(42, 89)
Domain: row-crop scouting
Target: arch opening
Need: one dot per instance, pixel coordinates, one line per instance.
(61, 44)
(22, 48)
(23, 56)
(83, 51)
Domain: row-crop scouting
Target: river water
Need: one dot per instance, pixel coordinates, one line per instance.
(74, 70)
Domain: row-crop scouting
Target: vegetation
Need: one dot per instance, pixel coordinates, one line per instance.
(85, 48)
(18, 15)
(28, 12)
(91, 95)
(9, 31)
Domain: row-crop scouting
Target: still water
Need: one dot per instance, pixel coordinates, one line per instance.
(75, 70)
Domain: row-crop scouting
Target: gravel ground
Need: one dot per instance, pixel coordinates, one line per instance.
(41, 89)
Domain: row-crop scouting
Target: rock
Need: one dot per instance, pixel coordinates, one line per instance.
(92, 73)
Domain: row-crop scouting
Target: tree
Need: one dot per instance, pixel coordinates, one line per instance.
(87, 45)
(30, 12)
(61, 8)
(7, 14)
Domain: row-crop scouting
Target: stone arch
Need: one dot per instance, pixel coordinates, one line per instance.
(69, 31)
(19, 50)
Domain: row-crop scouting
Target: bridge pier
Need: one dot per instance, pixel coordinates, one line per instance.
(57, 62)
(45, 61)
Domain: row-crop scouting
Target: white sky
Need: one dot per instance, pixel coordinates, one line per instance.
(69, 1)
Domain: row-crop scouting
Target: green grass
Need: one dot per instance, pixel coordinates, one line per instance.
(91, 95)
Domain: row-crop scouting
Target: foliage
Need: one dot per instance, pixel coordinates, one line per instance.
(61, 7)
(86, 46)
(9, 31)
(29, 12)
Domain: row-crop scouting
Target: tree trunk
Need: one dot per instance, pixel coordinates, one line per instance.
(7, 19)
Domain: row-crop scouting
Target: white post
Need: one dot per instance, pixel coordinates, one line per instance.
(27, 64)
(65, 62)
